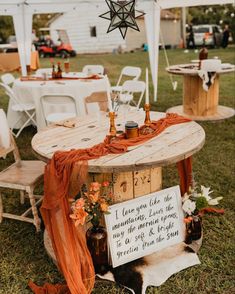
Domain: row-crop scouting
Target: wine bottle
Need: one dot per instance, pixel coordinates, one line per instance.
(59, 71)
(203, 54)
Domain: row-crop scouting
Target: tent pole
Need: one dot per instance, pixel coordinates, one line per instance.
(156, 22)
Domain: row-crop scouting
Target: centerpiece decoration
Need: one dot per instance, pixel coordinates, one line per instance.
(195, 203)
(146, 129)
(90, 208)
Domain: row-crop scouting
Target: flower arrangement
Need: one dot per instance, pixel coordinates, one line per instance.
(92, 205)
(197, 200)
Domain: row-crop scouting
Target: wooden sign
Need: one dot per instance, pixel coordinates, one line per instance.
(144, 225)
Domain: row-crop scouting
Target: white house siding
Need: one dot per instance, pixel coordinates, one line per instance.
(135, 39)
(78, 23)
(170, 29)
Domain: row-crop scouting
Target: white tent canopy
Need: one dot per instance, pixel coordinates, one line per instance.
(23, 10)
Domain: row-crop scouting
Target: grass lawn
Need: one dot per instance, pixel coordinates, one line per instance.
(22, 253)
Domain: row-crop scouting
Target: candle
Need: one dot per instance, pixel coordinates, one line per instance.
(109, 95)
(147, 87)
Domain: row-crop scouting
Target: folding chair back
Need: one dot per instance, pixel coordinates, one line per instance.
(41, 71)
(27, 109)
(132, 87)
(129, 71)
(58, 107)
(93, 69)
(7, 79)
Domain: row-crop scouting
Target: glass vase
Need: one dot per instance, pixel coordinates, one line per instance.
(194, 229)
(97, 244)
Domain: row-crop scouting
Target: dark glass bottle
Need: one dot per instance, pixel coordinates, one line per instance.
(59, 71)
(97, 244)
(53, 74)
(203, 54)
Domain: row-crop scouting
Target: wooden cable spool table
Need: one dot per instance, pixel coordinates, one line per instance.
(199, 104)
(134, 173)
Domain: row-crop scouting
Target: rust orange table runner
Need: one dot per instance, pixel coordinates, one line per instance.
(64, 175)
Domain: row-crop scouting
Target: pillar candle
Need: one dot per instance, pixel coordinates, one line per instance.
(147, 87)
(109, 95)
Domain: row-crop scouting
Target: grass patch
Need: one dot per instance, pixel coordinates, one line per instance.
(22, 253)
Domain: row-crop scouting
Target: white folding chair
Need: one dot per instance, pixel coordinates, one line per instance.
(129, 88)
(41, 71)
(93, 69)
(129, 72)
(59, 107)
(26, 110)
(7, 79)
(23, 175)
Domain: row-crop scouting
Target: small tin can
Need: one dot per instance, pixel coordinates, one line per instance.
(132, 130)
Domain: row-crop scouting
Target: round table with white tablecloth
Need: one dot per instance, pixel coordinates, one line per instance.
(31, 91)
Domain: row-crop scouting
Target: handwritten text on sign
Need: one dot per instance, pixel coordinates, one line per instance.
(144, 225)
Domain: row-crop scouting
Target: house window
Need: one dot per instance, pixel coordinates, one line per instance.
(93, 31)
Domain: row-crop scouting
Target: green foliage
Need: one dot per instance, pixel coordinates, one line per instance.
(201, 202)
(213, 15)
(7, 28)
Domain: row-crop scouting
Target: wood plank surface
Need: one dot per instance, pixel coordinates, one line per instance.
(192, 69)
(197, 101)
(223, 112)
(173, 144)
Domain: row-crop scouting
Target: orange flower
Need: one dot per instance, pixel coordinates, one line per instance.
(105, 184)
(79, 203)
(188, 220)
(93, 197)
(79, 216)
(95, 186)
(104, 207)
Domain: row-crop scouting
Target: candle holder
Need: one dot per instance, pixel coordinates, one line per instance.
(146, 129)
(112, 128)
(147, 120)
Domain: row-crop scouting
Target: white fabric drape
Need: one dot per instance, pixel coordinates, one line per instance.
(23, 30)
(152, 23)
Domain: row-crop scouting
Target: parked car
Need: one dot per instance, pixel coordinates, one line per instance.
(212, 34)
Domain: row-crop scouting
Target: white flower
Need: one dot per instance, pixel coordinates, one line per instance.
(185, 197)
(214, 201)
(205, 193)
(189, 206)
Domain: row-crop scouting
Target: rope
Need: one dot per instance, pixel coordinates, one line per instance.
(174, 83)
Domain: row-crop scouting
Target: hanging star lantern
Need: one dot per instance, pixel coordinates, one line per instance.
(122, 15)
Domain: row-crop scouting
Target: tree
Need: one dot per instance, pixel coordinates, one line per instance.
(7, 28)
(217, 14)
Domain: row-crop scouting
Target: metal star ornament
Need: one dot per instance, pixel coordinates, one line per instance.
(122, 15)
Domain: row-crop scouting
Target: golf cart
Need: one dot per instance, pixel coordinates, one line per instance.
(46, 47)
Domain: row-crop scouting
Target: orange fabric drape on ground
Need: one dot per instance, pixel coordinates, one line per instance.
(69, 242)
(210, 210)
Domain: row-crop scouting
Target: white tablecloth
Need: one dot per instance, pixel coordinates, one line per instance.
(31, 91)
